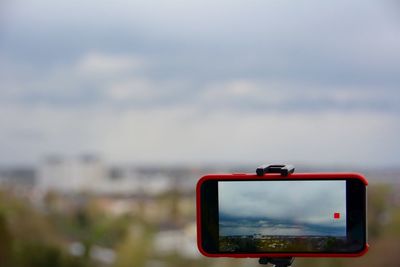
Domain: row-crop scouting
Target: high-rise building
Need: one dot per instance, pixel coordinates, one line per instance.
(78, 174)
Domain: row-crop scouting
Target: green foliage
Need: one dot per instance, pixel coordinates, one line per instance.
(27, 254)
(32, 236)
(378, 209)
(135, 248)
(27, 238)
(5, 242)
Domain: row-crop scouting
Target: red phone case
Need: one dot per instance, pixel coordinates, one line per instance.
(295, 176)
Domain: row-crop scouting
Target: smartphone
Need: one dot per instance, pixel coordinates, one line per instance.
(301, 215)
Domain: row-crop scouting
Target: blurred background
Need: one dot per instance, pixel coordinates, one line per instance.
(111, 110)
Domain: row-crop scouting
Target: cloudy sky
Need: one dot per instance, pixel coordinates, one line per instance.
(282, 207)
(201, 81)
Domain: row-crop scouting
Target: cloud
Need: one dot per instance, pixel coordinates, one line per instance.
(304, 202)
(126, 115)
(108, 64)
(262, 81)
(268, 95)
(185, 134)
(296, 42)
(282, 207)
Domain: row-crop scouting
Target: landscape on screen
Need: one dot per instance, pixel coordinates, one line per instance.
(282, 216)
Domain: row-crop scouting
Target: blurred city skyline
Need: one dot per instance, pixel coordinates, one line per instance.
(201, 82)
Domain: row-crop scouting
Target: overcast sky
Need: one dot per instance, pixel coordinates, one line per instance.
(312, 202)
(315, 82)
(282, 207)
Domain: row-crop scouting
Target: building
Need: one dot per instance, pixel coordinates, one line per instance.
(80, 174)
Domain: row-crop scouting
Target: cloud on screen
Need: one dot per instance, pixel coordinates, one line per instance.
(288, 202)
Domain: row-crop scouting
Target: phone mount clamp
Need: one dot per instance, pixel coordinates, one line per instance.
(284, 170)
(277, 262)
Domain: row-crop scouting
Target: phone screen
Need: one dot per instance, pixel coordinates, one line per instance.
(261, 216)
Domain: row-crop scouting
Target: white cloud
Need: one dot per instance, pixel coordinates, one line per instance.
(252, 82)
(183, 134)
(305, 201)
(106, 64)
(138, 89)
(284, 95)
(207, 125)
